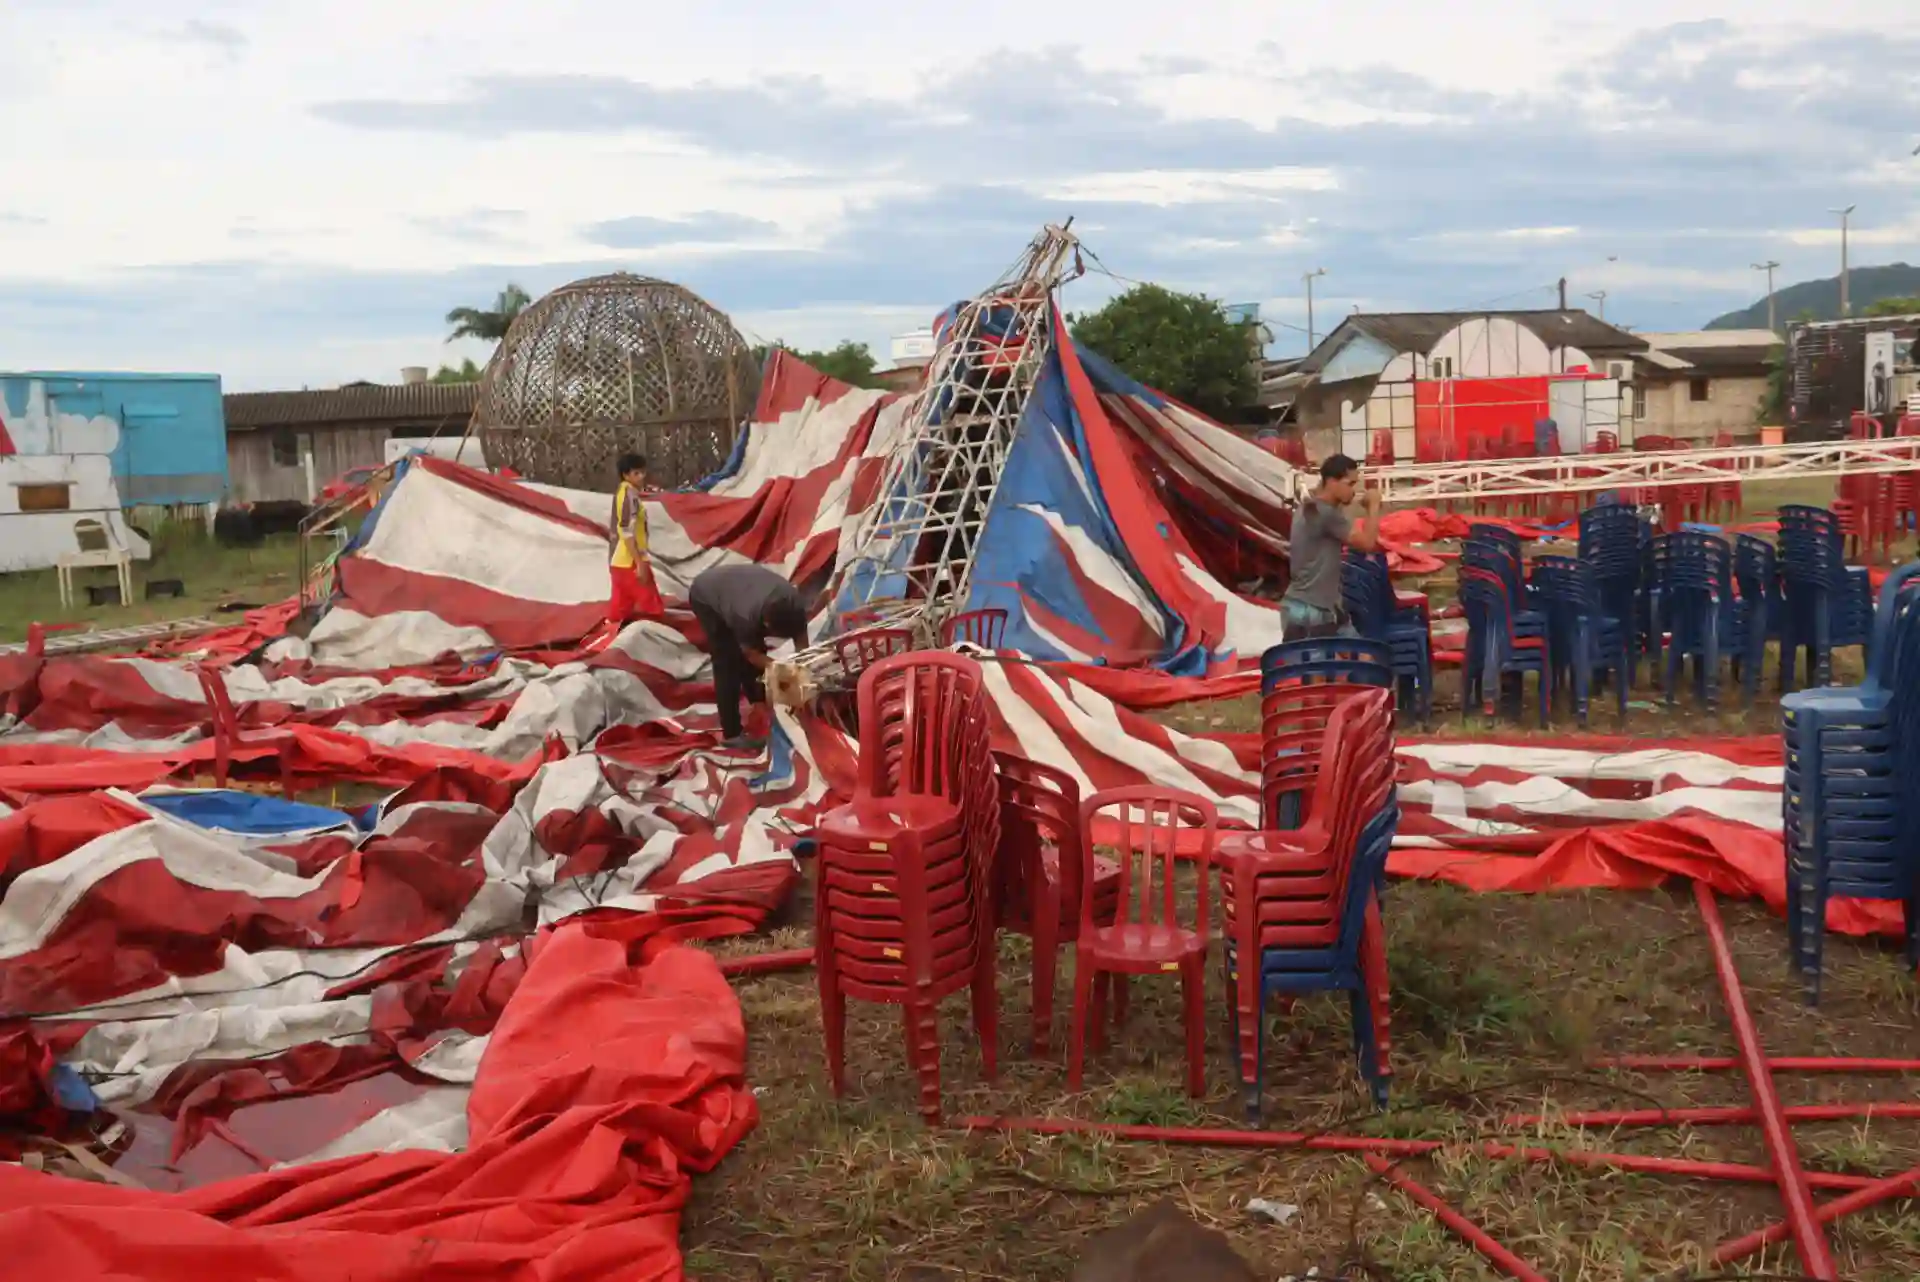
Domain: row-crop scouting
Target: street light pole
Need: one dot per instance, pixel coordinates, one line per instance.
(1308, 278)
(1768, 267)
(1600, 296)
(1846, 305)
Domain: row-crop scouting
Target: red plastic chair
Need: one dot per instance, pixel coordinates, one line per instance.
(1038, 872)
(857, 651)
(224, 725)
(1153, 942)
(903, 912)
(1727, 497)
(984, 628)
(36, 660)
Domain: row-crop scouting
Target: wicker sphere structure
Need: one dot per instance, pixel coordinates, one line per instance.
(611, 364)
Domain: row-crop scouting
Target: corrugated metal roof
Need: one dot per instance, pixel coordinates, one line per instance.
(355, 403)
(1724, 352)
(1422, 331)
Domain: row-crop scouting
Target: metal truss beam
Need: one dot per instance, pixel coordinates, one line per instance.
(1586, 473)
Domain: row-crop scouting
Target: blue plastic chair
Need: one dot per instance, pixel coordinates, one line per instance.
(1289, 655)
(1693, 603)
(1494, 651)
(1827, 603)
(1336, 969)
(1611, 539)
(1852, 765)
(1757, 608)
(1368, 589)
(1585, 640)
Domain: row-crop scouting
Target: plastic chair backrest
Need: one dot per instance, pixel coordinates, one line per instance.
(921, 715)
(1039, 806)
(1693, 561)
(1146, 841)
(860, 650)
(1500, 534)
(1322, 650)
(1489, 607)
(984, 628)
(1754, 567)
(1356, 748)
(1899, 596)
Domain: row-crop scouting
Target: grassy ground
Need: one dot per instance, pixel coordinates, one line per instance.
(1498, 1004)
(211, 575)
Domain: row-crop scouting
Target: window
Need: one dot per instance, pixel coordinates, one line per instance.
(1697, 388)
(1440, 367)
(44, 496)
(286, 448)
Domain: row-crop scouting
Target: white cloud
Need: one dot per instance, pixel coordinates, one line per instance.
(171, 136)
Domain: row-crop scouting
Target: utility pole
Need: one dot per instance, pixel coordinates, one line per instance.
(1846, 305)
(1308, 278)
(1767, 267)
(1600, 296)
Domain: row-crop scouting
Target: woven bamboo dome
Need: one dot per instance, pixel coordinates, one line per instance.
(611, 364)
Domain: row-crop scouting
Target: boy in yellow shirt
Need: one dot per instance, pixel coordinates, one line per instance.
(635, 594)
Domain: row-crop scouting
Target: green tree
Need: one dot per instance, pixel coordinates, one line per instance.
(489, 324)
(850, 362)
(1184, 345)
(465, 372)
(1891, 307)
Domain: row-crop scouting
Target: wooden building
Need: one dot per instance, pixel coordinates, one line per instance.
(270, 434)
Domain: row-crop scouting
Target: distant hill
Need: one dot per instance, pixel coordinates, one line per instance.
(1822, 297)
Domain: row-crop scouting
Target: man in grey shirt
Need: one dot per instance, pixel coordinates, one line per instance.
(739, 607)
(1313, 605)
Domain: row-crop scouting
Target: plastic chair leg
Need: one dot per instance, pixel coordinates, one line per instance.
(1193, 993)
(1373, 974)
(1045, 910)
(833, 1023)
(1246, 1004)
(922, 1025)
(1077, 1036)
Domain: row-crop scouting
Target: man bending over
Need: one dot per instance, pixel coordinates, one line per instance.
(739, 607)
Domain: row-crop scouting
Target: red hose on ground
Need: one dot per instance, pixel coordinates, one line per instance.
(1786, 1064)
(1808, 1237)
(1904, 1185)
(1205, 1138)
(1469, 1232)
(767, 963)
(1715, 1116)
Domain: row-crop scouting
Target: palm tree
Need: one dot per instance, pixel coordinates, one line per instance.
(489, 324)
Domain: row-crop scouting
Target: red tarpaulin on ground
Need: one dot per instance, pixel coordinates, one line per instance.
(608, 1082)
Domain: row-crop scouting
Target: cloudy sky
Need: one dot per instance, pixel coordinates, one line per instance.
(294, 194)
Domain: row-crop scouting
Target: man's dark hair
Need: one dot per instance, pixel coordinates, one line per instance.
(784, 617)
(1337, 467)
(632, 463)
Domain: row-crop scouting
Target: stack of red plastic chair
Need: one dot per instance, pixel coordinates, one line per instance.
(1148, 824)
(1906, 485)
(1301, 907)
(1038, 871)
(903, 909)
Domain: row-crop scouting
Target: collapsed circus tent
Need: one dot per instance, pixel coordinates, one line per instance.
(455, 1030)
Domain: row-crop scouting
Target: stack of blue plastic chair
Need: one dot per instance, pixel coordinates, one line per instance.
(1757, 610)
(1610, 537)
(1497, 549)
(1693, 604)
(1850, 754)
(1827, 604)
(1368, 590)
(1582, 637)
(1495, 649)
